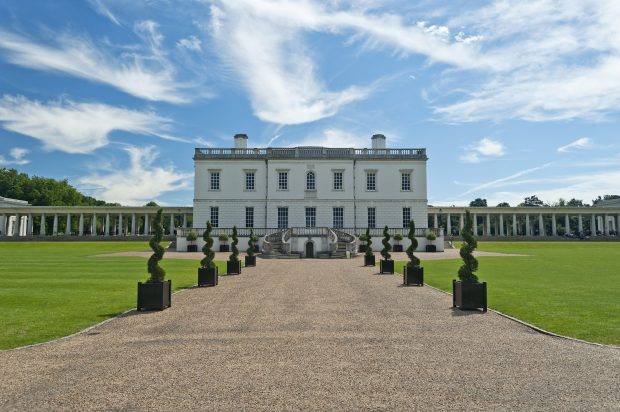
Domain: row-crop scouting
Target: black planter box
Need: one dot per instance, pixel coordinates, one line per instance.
(250, 261)
(154, 296)
(207, 276)
(414, 276)
(233, 268)
(386, 266)
(192, 248)
(398, 248)
(468, 295)
(369, 260)
(224, 248)
(431, 248)
(361, 248)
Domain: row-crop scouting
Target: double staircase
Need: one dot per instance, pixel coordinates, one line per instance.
(277, 245)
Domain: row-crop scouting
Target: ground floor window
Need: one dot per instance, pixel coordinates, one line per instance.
(311, 217)
(283, 217)
(215, 216)
(338, 217)
(372, 217)
(406, 216)
(249, 217)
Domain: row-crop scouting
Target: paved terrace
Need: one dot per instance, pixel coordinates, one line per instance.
(319, 335)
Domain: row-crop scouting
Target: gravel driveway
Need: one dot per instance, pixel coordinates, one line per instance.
(312, 335)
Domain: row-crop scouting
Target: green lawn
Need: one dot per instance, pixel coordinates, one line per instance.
(48, 290)
(570, 288)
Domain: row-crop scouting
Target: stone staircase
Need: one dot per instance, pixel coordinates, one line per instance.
(276, 248)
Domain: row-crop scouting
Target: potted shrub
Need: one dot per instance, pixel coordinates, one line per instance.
(155, 293)
(223, 238)
(467, 292)
(191, 238)
(413, 273)
(386, 265)
(397, 238)
(207, 272)
(250, 259)
(256, 247)
(233, 265)
(430, 236)
(362, 246)
(369, 257)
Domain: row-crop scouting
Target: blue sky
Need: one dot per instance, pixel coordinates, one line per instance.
(510, 98)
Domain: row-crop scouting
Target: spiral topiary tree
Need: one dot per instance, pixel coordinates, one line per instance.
(414, 262)
(385, 252)
(368, 240)
(235, 252)
(157, 272)
(251, 243)
(470, 263)
(207, 261)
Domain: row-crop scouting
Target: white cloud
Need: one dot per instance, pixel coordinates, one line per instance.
(582, 143)
(17, 157)
(334, 138)
(141, 182)
(483, 149)
(75, 127)
(148, 76)
(100, 7)
(190, 43)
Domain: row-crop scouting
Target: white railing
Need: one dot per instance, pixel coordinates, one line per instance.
(308, 153)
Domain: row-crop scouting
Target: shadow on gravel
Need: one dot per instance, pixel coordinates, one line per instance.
(465, 312)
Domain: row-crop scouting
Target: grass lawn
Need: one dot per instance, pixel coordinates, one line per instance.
(49, 290)
(570, 288)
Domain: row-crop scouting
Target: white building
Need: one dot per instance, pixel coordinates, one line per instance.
(276, 189)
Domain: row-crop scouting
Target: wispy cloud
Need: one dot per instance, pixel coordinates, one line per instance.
(140, 182)
(17, 157)
(100, 7)
(190, 43)
(75, 127)
(496, 183)
(579, 144)
(483, 149)
(333, 137)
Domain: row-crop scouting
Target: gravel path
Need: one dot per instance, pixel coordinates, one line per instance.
(315, 335)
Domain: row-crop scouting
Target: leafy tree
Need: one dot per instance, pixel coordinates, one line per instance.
(576, 203)
(605, 197)
(151, 203)
(532, 201)
(251, 243)
(207, 262)
(503, 204)
(414, 262)
(235, 252)
(385, 252)
(478, 202)
(368, 240)
(470, 263)
(157, 272)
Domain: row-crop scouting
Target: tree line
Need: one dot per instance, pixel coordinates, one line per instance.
(534, 201)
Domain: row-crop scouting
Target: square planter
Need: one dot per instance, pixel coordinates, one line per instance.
(398, 248)
(224, 248)
(192, 248)
(154, 296)
(250, 261)
(386, 266)
(468, 295)
(431, 248)
(414, 276)
(233, 268)
(369, 260)
(207, 276)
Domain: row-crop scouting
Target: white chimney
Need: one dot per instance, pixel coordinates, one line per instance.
(241, 141)
(378, 141)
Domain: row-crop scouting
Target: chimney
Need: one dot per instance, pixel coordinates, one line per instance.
(378, 141)
(241, 141)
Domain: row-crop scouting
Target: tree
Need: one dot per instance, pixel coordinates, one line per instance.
(233, 258)
(368, 240)
(605, 197)
(157, 272)
(503, 204)
(576, 203)
(470, 263)
(207, 262)
(151, 203)
(385, 252)
(414, 262)
(532, 201)
(251, 243)
(478, 202)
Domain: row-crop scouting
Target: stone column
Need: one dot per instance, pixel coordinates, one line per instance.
(554, 229)
(68, 225)
(171, 224)
(42, 227)
(593, 224)
(184, 220)
(2, 224)
(435, 224)
(126, 226)
(488, 224)
(146, 223)
(120, 224)
(81, 225)
(514, 224)
(527, 225)
(501, 224)
(606, 225)
(93, 225)
(17, 225)
(566, 224)
(461, 223)
(107, 225)
(55, 226)
(475, 224)
(580, 223)
(449, 225)
(541, 225)
(30, 225)
(133, 224)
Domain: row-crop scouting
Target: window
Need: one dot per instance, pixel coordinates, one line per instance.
(338, 180)
(372, 217)
(338, 217)
(310, 181)
(371, 181)
(311, 217)
(249, 217)
(405, 182)
(215, 181)
(215, 216)
(406, 216)
(249, 182)
(283, 218)
(282, 180)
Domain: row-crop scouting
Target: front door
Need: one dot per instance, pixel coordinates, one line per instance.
(310, 249)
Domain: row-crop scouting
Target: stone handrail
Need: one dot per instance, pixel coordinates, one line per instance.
(308, 153)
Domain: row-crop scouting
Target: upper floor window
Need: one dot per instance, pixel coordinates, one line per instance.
(310, 181)
(406, 216)
(372, 217)
(405, 181)
(371, 181)
(215, 216)
(338, 217)
(282, 180)
(311, 217)
(215, 180)
(249, 181)
(338, 180)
